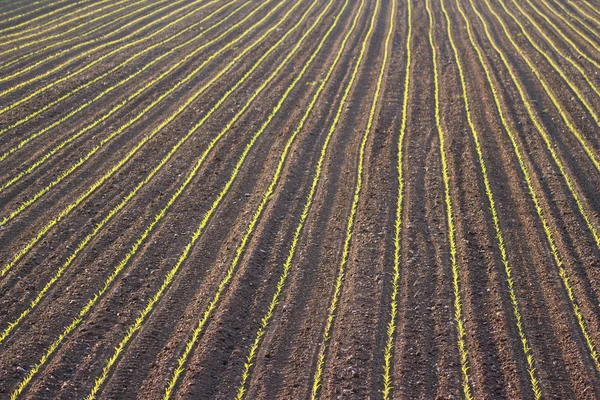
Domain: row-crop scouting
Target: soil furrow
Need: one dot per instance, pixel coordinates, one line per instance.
(112, 169)
(545, 289)
(299, 199)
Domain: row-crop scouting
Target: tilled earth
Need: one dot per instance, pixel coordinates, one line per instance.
(293, 199)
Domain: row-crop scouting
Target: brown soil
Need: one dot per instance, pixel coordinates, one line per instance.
(425, 357)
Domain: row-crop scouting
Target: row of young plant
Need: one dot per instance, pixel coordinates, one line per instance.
(145, 139)
(191, 175)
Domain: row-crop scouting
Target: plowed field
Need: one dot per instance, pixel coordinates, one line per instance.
(300, 199)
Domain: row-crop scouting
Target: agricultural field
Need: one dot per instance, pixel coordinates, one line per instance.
(300, 199)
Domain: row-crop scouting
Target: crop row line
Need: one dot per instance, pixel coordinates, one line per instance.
(459, 318)
(587, 15)
(548, 143)
(585, 145)
(81, 246)
(262, 330)
(560, 32)
(526, 174)
(500, 242)
(341, 272)
(556, 48)
(200, 229)
(268, 194)
(591, 6)
(76, 90)
(45, 15)
(170, 276)
(93, 50)
(96, 39)
(130, 154)
(14, 9)
(79, 36)
(148, 230)
(574, 17)
(87, 84)
(23, 35)
(562, 271)
(99, 182)
(563, 171)
(593, 29)
(391, 326)
(109, 89)
(27, 203)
